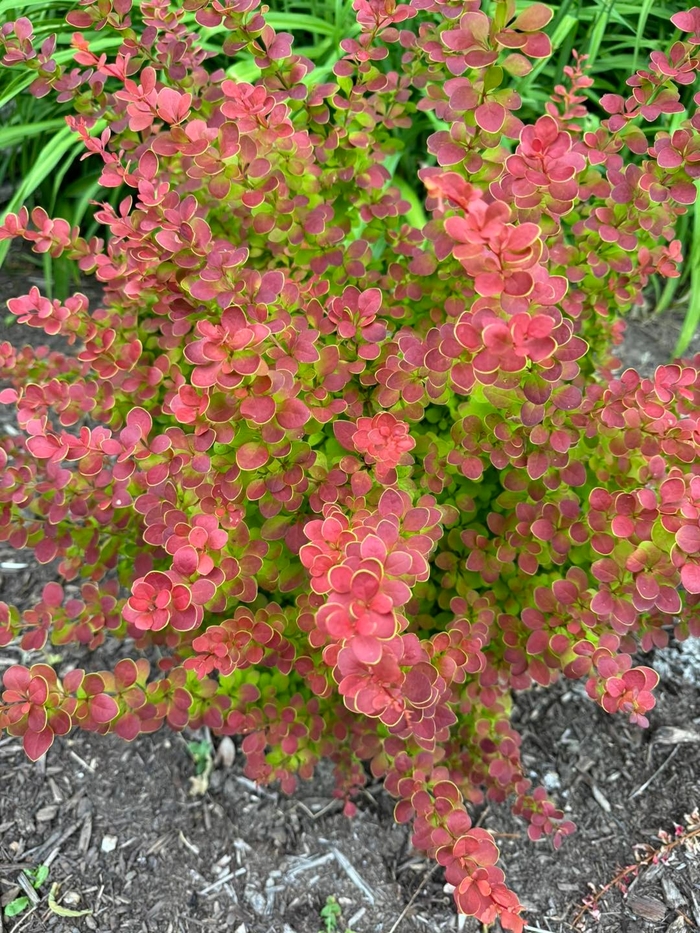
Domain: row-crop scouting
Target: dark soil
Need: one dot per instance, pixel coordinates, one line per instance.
(650, 341)
(127, 837)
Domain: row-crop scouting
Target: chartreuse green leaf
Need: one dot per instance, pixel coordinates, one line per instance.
(61, 911)
(16, 907)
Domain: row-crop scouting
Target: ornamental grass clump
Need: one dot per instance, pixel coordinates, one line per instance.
(355, 472)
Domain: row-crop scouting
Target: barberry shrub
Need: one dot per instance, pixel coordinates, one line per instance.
(351, 472)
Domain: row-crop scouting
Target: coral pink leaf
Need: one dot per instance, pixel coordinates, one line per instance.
(490, 116)
(185, 560)
(17, 678)
(128, 727)
(141, 419)
(516, 65)
(612, 103)
(126, 672)
(103, 708)
(260, 410)
(252, 456)
(533, 18)
(45, 550)
(52, 594)
(73, 679)
(43, 447)
(688, 539)
(690, 577)
(687, 21)
(292, 414)
(366, 649)
(37, 744)
(344, 432)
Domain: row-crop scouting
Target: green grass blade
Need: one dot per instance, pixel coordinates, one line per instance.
(47, 266)
(416, 216)
(644, 11)
(244, 70)
(598, 33)
(668, 293)
(12, 135)
(692, 317)
(51, 155)
(81, 193)
(6, 6)
(299, 21)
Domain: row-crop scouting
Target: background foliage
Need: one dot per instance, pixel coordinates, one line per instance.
(39, 155)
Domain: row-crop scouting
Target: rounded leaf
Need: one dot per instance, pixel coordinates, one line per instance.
(491, 116)
(688, 539)
(690, 577)
(258, 409)
(37, 744)
(17, 678)
(534, 18)
(292, 413)
(252, 456)
(52, 595)
(103, 708)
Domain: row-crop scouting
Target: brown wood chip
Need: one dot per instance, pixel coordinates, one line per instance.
(55, 792)
(46, 814)
(55, 839)
(649, 908)
(695, 907)
(10, 895)
(226, 752)
(600, 798)
(678, 925)
(85, 835)
(673, 735)
(26, 885)
(672, 894)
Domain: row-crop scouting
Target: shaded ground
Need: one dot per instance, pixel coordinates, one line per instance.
(650, 341)
(125, 838)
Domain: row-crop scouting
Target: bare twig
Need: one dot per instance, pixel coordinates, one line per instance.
(189, 845)
(55, 840)
(353, 875)
(23, 920)
(667, 847)
(217, 884)
(51, 857)
(331, 805)
(646, 784)
(307, 864)
(415, 894)
(356, 917)
(81, 761)
(85, 834)
(254, 788)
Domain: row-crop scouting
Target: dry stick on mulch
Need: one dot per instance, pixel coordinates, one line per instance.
(662, 767)
(415, 894)
(664, 850)
(55, 840)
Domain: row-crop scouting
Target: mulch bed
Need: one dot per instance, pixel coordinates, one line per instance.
(126, 837)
